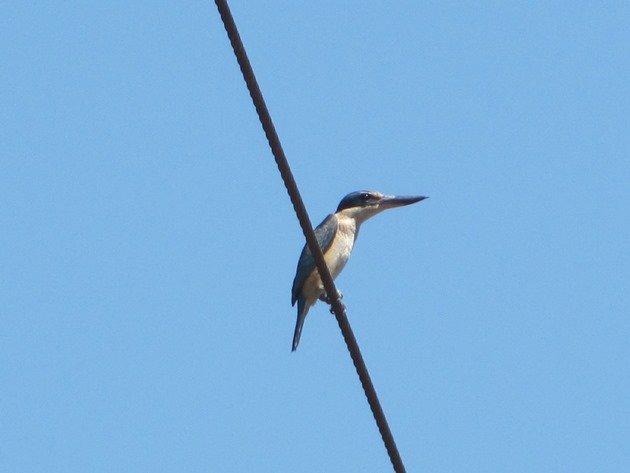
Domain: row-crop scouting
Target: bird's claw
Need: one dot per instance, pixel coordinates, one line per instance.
(328, 300)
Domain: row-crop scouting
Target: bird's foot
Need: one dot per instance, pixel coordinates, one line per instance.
(328, 300)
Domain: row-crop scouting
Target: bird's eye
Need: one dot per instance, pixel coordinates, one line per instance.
(365, 196)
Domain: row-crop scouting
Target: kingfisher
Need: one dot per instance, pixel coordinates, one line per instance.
(336, 236)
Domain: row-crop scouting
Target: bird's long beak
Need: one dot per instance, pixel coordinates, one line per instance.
(391, 201)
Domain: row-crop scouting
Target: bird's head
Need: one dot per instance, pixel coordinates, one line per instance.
(362, 205)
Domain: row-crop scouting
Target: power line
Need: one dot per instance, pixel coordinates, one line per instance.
(294, 194)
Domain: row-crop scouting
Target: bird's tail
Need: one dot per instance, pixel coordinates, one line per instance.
(302, 310)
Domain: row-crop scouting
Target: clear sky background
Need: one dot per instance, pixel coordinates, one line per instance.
(148, 245)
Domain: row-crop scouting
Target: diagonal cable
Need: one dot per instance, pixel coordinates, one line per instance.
(300, 210)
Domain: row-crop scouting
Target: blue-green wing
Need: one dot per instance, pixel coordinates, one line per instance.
(325, 234)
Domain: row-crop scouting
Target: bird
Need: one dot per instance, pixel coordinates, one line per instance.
(336, 236)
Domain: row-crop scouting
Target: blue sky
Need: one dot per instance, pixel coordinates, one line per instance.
(148, 245)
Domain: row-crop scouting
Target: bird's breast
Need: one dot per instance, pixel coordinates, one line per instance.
(337, 255)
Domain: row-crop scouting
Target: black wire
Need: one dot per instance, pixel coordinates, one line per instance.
(294, 194)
